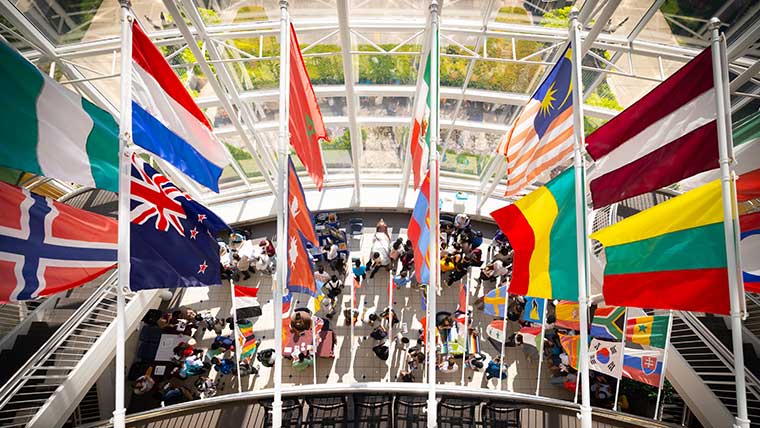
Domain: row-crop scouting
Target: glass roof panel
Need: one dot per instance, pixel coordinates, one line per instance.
(383, 9)
(383, 147)
(12, 36)
(244, 158)
(337, 152)
(467, 152)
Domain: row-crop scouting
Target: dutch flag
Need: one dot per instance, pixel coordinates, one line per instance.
(165, 119)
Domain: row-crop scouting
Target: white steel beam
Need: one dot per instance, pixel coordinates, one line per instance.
(352, 100)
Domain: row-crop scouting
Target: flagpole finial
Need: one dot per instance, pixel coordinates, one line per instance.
(574, 13)
(125, 3)
(434, 6)
(714, 23)
(283, 4)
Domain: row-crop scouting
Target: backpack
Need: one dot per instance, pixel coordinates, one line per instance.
(381, 351)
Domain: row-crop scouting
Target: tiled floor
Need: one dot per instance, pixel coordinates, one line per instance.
(355, 361)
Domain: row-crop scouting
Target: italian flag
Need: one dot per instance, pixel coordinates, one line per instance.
(420, 138)
(52, 131)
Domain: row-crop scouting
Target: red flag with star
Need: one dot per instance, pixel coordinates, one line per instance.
(300, 272)
(305, 124)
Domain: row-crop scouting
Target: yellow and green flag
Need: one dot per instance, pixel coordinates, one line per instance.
(649, 331)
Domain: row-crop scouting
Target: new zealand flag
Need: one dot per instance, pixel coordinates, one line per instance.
(172, 237)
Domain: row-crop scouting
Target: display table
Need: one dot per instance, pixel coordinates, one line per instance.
(295, 342)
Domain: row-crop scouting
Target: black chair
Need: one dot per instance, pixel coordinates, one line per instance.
(456, 413)
(326, 412)
(292, 413)
(373, 411)
(500, 415)
(411, 412)
(355, 226)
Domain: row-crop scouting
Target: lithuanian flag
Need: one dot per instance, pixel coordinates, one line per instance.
(541, 229)
(671, 256)
(649, 330)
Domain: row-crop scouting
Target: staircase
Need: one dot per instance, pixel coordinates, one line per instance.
(52, 382)
(711, 360)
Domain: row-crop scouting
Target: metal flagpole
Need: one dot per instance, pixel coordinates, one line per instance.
(622, 349)
(664, 366)
(541, 349)
(281, 276)
(314, 342)
(353, 306)
(391, 286)
(125, 137)
(580, 219)
(728, 183)
(466, 322)
(503, 338)
(235, 332)
(434, 245)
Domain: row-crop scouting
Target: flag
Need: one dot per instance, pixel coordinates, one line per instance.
(246, 304)
(541, 229)
(671, 256)
(52, 131)
(299, 211)
(534, 310)
(495, 302)
(666, 136)
(423, 301)
(608, 323)
(246, 340)
(47, 247)
(306, 125)
(750, 248)
(570, 345)
(495, 330)
(567, 315)
(165, 119)
(463, 297)
(300, 270)
(531, 336)
(420, 234)
(542, 136)
(172, 237)
(606, 357)
(286, 301)
(419, 142)
(643, 365)
(648, 330)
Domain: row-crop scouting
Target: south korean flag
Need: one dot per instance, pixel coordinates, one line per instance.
(606, 357)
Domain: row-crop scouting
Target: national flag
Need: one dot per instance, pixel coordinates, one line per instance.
(299, 211)
(531, 336)
(52, 131)
(608, 323)
(246, 303)
(671, 256)
(305, 124)
(541, 229)
(423, 301)
(165, 119)
(534, 310)
(495, 301)
(750, 248)
(542, 136)
(247, 341)
(47, 247)
(300, 270)
(473, 342)
(172, 237)
(287, 299)
(567, 315)
(463, 297)
(606, 357)
(495, 330)
(419, 141)
(666, 136)
(420, 234)
(643, 365)
(570, 345)
(647, 330)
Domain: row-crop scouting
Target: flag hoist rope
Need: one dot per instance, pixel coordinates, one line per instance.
(281, 274)
(125, 137)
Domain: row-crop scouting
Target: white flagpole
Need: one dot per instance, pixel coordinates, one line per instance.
(281, 276)
(664, 366)
(434, 245)
(503, 338)
(391, 286)
(580, 219)
(466, 322)
(728, 178)
(541, 349)
(353, 306)
(235, 333)
(125, 137)
(314, 342)
(622, 349)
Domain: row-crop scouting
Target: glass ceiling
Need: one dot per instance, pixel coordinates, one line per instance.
(494, 53)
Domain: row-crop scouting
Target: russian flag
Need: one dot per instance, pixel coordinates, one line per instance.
(165, 119)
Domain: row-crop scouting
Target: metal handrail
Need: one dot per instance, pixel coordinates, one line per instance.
(388, 388)
(752, 297)
(719, 350)
(46, 302)
(60, 335)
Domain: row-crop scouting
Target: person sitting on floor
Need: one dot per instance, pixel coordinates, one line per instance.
(448, 365)
(302, 361)
(494, 369)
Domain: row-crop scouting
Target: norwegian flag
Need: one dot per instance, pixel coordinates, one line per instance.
(172, 237)
(47, 247)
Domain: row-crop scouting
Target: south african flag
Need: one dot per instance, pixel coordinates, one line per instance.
(608, 323)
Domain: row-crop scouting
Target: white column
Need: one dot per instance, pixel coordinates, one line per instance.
(664, 366)
(580, 220)
(735, 286)
(434, 246)
(125, 137)
(281, 275)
